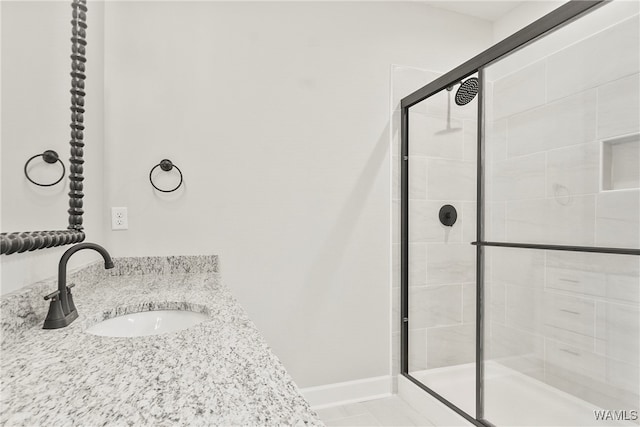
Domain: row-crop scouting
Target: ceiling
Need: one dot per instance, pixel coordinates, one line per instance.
(487, 10)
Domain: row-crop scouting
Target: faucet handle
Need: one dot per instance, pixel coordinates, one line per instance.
(52, 295)
(70, 285)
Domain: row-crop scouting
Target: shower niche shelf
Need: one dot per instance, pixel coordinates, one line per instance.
(621, 163)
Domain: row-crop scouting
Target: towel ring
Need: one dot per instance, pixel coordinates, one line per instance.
(50, 157)
(166, 165)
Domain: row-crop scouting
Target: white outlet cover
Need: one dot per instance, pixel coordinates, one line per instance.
(119, 218)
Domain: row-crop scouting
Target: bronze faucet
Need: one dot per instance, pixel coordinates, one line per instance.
(62, 311)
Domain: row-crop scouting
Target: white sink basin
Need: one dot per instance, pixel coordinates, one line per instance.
(147, 323)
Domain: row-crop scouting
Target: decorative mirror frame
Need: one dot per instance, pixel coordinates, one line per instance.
(22, 241)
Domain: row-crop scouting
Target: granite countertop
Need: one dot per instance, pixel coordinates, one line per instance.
(219, 372)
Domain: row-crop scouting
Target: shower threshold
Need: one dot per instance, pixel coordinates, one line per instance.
(511, 398)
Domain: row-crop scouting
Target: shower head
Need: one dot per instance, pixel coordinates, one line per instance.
(467, 91)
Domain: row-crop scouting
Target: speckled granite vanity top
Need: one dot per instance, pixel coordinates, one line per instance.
(219, 372)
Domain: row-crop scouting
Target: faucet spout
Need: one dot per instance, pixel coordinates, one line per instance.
(62, 311)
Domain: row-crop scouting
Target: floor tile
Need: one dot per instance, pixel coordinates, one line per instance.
(390, 411)
(356, 420)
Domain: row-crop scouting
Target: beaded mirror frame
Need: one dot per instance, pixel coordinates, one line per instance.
(23, 241)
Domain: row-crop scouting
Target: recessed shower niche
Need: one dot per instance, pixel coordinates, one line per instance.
(621, 163)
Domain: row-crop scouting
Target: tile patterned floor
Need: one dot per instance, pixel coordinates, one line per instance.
(390, 411)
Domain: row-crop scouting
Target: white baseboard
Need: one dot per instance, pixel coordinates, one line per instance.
(348, 392)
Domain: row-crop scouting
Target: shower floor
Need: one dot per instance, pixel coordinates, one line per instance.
(512, 398)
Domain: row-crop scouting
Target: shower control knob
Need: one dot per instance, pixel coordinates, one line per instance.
(448, 215)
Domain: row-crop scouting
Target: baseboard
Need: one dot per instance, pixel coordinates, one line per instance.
(348, 392)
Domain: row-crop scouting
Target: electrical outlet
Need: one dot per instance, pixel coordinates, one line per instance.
(119, 219)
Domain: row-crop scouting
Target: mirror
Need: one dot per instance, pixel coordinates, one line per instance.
(22, 241)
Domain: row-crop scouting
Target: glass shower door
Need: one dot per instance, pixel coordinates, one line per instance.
(442, 262)
(562, 327)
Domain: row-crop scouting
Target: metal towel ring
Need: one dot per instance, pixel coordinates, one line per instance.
(166, 165)
(50, 157)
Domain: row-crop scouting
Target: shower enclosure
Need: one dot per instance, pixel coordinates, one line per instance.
(520, 225)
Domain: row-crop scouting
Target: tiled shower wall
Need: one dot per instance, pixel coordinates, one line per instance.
(569, 319)
(442, 159)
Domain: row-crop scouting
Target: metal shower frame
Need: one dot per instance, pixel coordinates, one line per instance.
(554, 20)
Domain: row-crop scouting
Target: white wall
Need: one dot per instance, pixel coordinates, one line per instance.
(521, 16)
(278, 115)
(36, 117)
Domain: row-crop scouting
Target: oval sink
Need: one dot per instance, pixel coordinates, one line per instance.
(147, 323)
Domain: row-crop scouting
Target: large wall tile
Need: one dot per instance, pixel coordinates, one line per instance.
(573, 170)
(419, 220)
(417, 349)
(470, 140)
(417, 264)
(605, 382)
(417, 178)
(610, 276)
(600, 393)
(451, 263)
(431, 306)
(514, 347)
(519, 91)
(520, 267)
(469, 303)
(566, 122)
(618, 331)
(619, 107)
(495, 140)
(574, 362)
(495, 221)
(584, 342)
(625, 376)
(562, 220)
(468, 222)
(451, 180)
(451, 345)
(576, 281)
(517, 178)
(618, 219)
(603, 57)
(519, 351)
(436, 136)
(524, 308)
(569, 319)
(623, 287)
(495, 294)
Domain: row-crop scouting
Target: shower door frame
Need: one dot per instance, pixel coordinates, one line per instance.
(556, 19)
